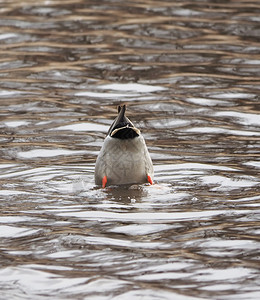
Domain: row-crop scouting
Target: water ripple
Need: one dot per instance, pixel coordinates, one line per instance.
(189, 74)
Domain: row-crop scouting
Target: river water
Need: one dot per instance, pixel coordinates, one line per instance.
(189, 74)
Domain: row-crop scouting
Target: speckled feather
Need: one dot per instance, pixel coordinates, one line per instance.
(124, 157)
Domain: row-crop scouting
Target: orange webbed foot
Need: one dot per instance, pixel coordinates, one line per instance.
(149, 178)
(104, 182)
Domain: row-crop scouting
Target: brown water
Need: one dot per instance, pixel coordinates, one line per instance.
(189, 73)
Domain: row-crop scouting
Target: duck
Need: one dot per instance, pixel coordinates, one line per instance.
(124, 158)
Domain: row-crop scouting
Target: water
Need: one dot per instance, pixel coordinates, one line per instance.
(189, 74)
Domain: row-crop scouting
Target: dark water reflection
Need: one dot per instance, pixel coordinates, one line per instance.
(189, 73)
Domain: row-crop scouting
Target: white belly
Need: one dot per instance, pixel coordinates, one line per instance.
(123, 161)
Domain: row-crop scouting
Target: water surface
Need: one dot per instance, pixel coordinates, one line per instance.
(189, 74)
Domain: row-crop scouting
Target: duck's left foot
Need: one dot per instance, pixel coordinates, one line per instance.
(104, 182)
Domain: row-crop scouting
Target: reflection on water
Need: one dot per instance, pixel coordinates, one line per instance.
(189, 73)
